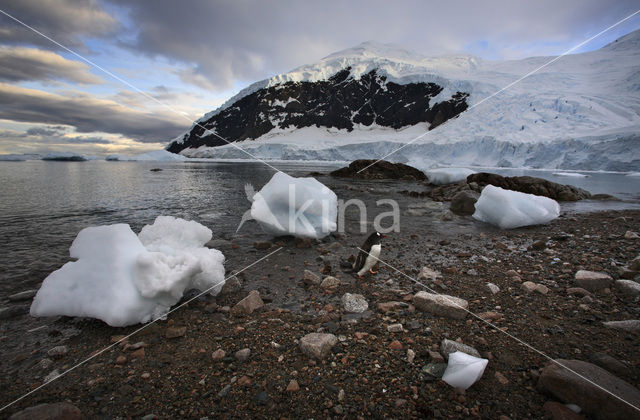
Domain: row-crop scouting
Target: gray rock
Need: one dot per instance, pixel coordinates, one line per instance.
(441, 305)
(224, 391)
(530, 286)
(317, 345)
(248, 304)
(592, 281)
(26, 295)
(449, 346)
(231, 285)
(427, 274)
(51, 376)
(354, 303)
(44, 364)
(310, 278)
(631, 235)
(631, 325)
(628, 287)
(464, 203)
(242, 355)
(57, 411)
(493, 288)
(58, 352)
(435, 370)
(394, 328)
(329, 282)
(593, 399)
(634, 264)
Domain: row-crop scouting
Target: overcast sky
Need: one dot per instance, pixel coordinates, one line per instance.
(188, 57)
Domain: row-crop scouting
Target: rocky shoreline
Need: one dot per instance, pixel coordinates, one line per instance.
(382, 358)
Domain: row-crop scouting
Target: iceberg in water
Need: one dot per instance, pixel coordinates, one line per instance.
(295, 206)
(443, 176)
(463, 370)
(124, 279)
(511, 209)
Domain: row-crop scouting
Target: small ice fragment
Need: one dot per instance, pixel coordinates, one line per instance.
(463, 370)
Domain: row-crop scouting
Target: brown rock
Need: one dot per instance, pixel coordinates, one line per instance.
(244, 381)
(395, 345)
(391, 306)
(293, 386)
(138, 354)
(121, 360)
(56, 411)
(464, 202)
(249, 304)
(310, 278)
(175, 332)
(441, 305)
(578, 291)
(530, 185)
(594, 401)
(218, 355)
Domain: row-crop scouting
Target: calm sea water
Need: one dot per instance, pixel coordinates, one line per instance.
(44, 205)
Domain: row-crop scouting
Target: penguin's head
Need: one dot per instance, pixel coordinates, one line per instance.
(376, 237)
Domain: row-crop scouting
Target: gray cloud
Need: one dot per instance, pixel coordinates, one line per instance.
(221, 42)
(87, 114)
(45, 131)
(68, 22)
(20, 64)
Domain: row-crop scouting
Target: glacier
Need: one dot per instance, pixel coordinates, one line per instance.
(582, 112)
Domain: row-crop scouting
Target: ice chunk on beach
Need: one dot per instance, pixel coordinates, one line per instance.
(511, 209)
(120, 281)
(301, 207)
(180, 243)
(443, 176)
(463, 370)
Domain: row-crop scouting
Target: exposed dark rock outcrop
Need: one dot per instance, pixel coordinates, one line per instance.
(530, 185)
(339, 102)
(380, 170)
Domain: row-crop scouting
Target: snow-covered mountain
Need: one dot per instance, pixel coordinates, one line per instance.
(579, 112)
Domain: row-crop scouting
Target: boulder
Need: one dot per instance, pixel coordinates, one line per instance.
(463, 203)
(329, 282)
(630, 325)
(56, 411)
(628, 287)
(594, 399)
(592, 281)
(317, 345)
(530, 185)
(441, 305)
(311, 278)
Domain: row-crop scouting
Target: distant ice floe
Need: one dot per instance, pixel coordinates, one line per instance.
(301, 207)
(571, 174)
(124, 279)
(66, 157)
(443, 176)
(156, 156)
(511, 209)
(634, 174)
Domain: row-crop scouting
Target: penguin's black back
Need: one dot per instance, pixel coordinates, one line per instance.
(373, 239)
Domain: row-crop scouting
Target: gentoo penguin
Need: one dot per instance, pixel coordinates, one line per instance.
(368, 254)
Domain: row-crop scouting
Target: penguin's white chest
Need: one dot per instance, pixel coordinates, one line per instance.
(371, 260)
